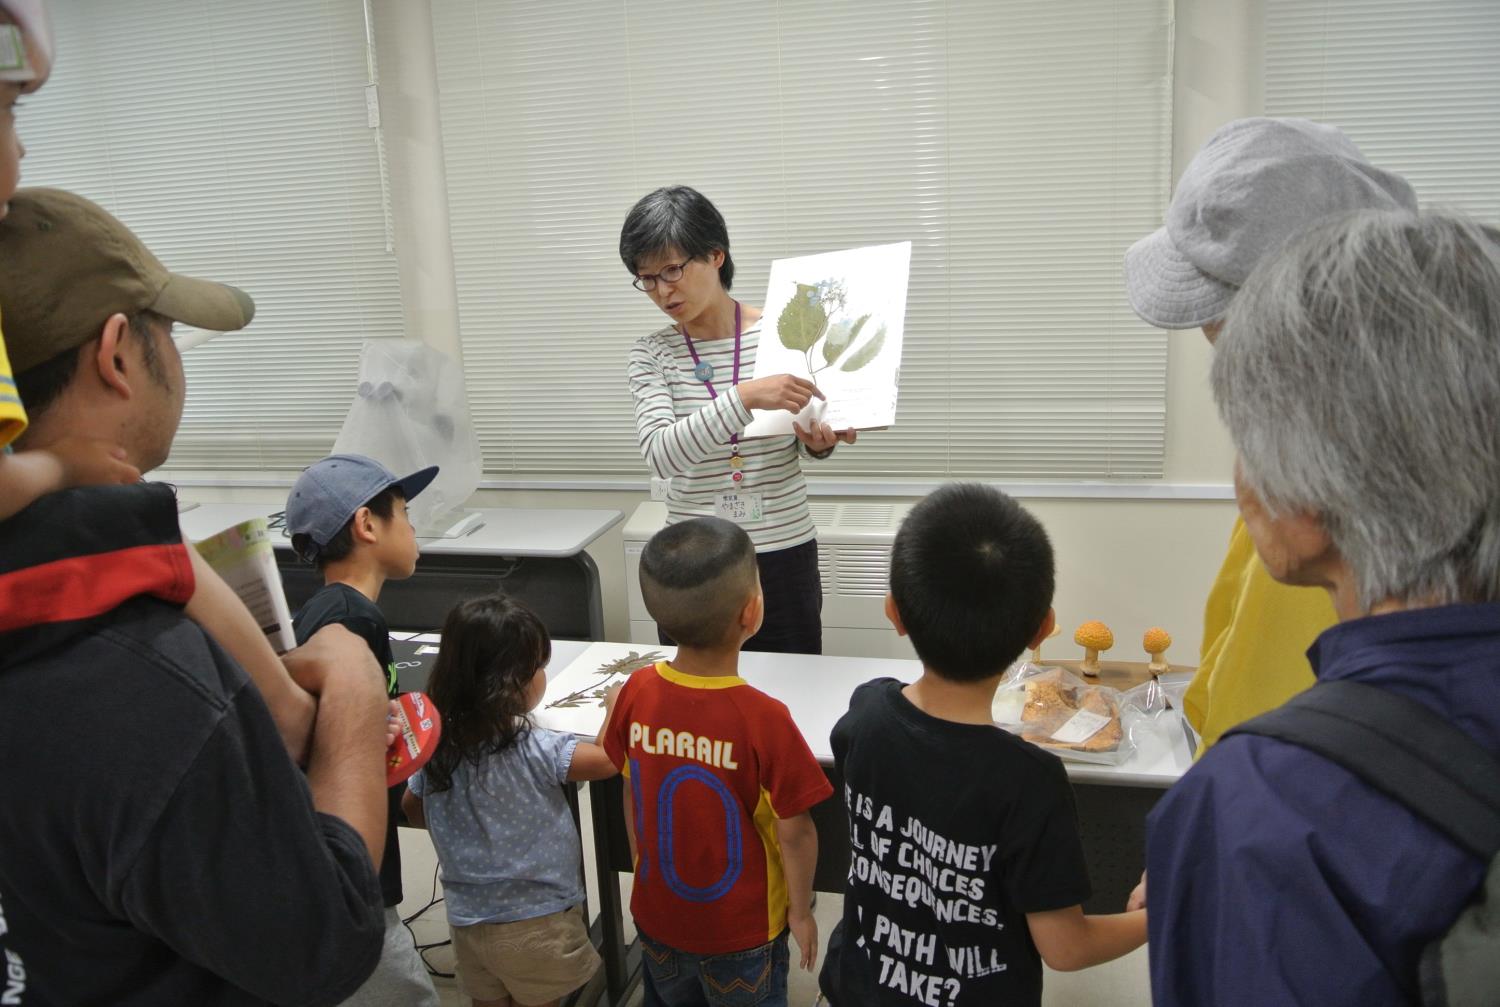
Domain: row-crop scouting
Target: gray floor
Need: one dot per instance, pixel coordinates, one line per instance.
(1121, 983)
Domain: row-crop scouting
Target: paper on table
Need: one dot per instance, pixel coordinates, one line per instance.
(837, 318)
(574, 700)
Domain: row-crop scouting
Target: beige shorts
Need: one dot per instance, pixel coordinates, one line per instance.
(530, 961)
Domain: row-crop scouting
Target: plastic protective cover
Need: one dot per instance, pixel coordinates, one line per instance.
(412, 411)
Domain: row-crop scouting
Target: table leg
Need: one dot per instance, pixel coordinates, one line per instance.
(611, 911)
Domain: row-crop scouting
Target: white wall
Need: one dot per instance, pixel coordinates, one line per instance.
(1131, 562)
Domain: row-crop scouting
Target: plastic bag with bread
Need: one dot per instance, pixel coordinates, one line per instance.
(1075, 719)
(1050, 715)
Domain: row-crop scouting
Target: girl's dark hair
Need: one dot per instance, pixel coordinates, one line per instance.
(675, 217)
(491, 649)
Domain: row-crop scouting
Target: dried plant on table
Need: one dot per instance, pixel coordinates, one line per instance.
(610, 673)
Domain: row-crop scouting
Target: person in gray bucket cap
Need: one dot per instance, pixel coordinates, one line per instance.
(1255, 184)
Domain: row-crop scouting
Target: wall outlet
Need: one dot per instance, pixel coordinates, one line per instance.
(660, 488)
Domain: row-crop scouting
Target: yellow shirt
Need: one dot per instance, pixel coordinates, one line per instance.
(12, 414)
(1255, 638)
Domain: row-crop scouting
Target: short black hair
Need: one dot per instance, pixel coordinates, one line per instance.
(341, 545)
(675, 217)
(972, 576)
(696, 577)
(40, 386)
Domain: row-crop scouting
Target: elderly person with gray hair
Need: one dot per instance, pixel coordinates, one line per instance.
(1359, 375)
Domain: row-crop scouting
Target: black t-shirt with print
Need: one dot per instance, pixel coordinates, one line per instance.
(342, 604)
(956, 832)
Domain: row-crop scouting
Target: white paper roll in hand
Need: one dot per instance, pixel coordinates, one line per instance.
(812, 414)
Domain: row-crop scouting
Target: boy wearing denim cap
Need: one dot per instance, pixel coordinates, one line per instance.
(347, 516)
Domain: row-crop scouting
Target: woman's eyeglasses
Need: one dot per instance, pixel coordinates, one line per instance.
(670, 273)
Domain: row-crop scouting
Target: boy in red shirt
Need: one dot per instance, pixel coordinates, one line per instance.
(721, 784)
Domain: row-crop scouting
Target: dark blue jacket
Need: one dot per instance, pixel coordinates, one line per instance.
(1276, 877)
(157, 845)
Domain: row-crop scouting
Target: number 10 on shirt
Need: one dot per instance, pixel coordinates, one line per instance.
(666, 861)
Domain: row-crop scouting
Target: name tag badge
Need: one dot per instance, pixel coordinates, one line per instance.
(741, 508)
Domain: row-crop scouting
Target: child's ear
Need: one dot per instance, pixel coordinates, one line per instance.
(1044, 630)
(362, 526)
(753, 614)
(894, 614)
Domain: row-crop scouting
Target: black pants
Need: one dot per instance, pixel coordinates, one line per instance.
(794, 602)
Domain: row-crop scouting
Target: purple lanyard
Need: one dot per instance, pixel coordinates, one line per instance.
(734, 439)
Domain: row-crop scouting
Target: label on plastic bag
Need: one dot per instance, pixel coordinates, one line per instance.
(1080, 727)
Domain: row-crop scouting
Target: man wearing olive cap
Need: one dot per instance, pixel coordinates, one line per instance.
(159, 845)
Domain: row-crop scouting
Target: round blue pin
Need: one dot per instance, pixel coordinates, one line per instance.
(704, 371)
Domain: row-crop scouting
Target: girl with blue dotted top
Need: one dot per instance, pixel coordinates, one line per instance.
(492, 797)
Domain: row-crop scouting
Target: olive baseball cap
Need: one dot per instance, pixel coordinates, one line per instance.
(67, 265)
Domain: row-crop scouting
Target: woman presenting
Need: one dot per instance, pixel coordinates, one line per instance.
(691, 409)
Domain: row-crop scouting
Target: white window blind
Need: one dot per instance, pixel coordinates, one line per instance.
(1415, 83)
(233, 139)
(1020, 146)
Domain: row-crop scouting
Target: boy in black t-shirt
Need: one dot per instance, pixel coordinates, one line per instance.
(347, 515)
(966, 869)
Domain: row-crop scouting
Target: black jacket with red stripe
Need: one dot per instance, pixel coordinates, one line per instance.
(157, 844)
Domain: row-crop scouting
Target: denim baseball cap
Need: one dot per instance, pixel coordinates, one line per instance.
(327, 493)
(1255, 183)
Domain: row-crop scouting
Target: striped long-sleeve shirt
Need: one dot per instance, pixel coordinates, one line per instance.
(684, 435)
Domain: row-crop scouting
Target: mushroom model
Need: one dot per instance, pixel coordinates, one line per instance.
(1093, 637)
(1156, 643)
(1036, 652)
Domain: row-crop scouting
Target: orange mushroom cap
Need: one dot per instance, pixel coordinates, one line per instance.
(1094, 635)
(1157, 640)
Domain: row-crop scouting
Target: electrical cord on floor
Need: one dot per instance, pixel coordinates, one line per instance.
(422, 949)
